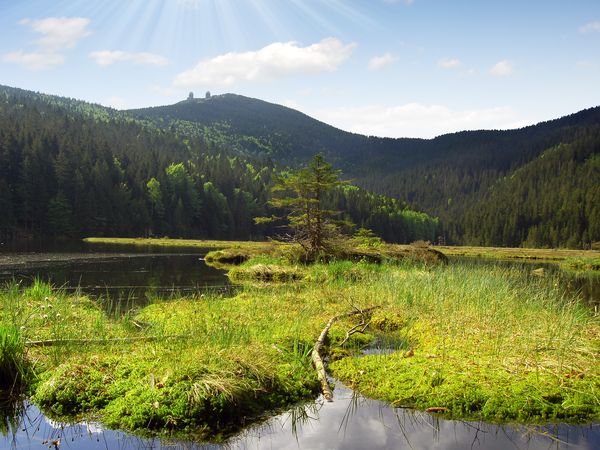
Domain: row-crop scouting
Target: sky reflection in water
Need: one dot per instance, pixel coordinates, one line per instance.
(350, 422)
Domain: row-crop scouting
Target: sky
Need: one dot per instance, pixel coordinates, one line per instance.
(397, 68)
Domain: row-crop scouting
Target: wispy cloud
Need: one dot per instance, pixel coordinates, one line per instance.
(274, 61)
(34, 60)
(418, 120)
(106, 58)
(449, 63)
(502, 69)
(57, 34)
(379, 62)
(590, 27)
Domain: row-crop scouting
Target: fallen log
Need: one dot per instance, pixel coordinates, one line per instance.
(51, 342)
(316, 351)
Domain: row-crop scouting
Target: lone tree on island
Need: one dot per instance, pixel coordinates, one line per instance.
(301, 192)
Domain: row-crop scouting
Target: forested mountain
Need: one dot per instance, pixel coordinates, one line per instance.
(204, 167)
(455, 177)
(76, 169)
(550, 201)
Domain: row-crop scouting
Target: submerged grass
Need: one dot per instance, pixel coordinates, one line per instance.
(481, 342)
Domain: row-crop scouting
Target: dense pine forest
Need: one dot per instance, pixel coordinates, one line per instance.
(205, 167)
(535, 186)
(69, 168)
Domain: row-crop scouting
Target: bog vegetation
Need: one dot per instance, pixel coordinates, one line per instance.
(469, 341)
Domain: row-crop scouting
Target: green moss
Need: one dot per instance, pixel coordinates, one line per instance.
(485, 343)
(176, 392)
(469, 391)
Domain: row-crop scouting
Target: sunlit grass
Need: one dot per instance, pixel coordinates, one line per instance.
(486, 342)
(525, 254)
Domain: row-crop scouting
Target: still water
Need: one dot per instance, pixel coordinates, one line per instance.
(350, 422)
(128, 274)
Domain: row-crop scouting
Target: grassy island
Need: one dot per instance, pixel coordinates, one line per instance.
(462, 340)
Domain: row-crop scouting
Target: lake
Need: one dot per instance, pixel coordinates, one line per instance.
(114, 272)
(133, 274)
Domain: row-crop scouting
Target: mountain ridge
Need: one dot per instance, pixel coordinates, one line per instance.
(441, 176)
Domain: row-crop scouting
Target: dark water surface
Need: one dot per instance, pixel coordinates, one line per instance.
(116, 272)
(351, 422)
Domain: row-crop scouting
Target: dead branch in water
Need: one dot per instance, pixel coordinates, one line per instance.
(316, 351)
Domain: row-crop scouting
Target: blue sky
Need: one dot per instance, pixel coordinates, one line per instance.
(415, 68)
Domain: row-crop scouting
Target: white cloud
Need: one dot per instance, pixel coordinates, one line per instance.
(115, 102)
(449, 63)
(58, 33)
(379, 62)
(34, 60)
(590, 27)
(417, 120)
(271, 62)
(502, 69)
(107, 57)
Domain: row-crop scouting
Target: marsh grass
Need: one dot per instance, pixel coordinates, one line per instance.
(503, 253)
(14, 366)
(485, 342)
(581, 264)
(13, 363)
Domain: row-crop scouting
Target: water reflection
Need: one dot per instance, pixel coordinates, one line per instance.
(122, 278)
(353, 422)
(350, 422)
